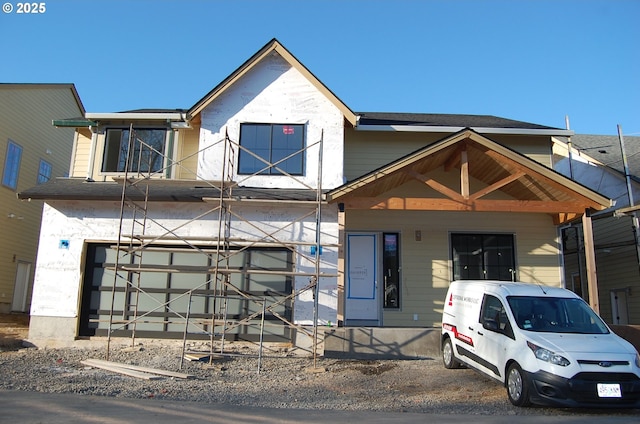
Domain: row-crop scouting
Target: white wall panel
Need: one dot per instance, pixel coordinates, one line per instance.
(67, 226)
(274, 92)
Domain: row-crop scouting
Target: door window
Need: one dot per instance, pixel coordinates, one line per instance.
(391, 265)
(494, 316)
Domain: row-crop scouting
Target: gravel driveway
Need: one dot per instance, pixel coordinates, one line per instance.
(283, 381)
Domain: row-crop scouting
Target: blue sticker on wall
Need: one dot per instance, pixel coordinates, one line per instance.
(64, 244)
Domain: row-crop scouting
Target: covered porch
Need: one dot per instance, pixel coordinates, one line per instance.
(465, 182)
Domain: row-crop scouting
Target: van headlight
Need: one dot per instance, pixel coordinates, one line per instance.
(548, 356)
(638, 360)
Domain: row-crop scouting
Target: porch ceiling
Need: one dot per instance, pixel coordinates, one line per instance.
(524, 185)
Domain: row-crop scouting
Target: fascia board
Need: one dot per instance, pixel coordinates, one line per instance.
(480, 130)
(134, 116)
(349, 115)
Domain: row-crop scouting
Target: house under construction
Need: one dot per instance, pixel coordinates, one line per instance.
(270, 209)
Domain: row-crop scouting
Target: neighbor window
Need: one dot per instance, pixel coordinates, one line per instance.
(44, 171)
(148, 149)
(271, 149)
(12, 165)
(483, 257)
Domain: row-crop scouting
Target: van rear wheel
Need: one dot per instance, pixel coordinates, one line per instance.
(517, 386)
(448, 357)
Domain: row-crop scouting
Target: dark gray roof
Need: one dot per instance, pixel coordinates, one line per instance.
(445, 120)
(607, 150)
(159, 190)
(154, 111)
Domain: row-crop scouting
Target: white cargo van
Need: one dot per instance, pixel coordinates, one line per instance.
(546, 345)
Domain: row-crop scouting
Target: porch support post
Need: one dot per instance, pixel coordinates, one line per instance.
(341, 263)
(590, 259)
(464, 173)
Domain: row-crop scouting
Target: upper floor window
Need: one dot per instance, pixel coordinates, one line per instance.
(12, 165)
(483, 257)
(44, 171)
(148, 150)
(271, 149)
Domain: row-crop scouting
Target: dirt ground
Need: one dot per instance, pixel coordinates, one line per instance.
(14, 328)
(415, 385)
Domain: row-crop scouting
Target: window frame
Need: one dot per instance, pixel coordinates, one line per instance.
(133, 168)
(271, 166)
(487, 271)
(391, 290)
(12, 161)
(494, 317)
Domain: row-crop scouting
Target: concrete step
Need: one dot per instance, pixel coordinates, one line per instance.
(382, 343)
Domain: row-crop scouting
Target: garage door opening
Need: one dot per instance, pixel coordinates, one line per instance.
(175, 280)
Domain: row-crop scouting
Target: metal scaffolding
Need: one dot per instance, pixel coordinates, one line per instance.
(136, 240)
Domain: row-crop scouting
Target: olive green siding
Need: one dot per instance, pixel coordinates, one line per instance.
(369, 150)
(616, 264)
(26, 115)
(426, 264)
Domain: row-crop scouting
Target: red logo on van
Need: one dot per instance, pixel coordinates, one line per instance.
(451, 299)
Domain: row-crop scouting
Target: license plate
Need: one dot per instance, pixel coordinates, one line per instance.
(609, 390)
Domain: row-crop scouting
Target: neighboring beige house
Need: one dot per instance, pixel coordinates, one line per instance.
(271, 193)
(32, 151)
(597, 162)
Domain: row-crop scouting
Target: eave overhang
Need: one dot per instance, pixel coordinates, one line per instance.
(136, 116)
(74, 123)
(159, 190)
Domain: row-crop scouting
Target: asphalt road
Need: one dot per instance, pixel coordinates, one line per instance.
(35, 407)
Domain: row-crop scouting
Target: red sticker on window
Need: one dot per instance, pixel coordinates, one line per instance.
(287, 129)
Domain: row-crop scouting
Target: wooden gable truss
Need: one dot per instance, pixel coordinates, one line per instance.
(524, 185)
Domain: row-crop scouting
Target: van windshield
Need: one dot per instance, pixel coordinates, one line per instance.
(555, 315)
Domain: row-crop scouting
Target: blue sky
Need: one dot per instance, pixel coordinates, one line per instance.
(530, 60)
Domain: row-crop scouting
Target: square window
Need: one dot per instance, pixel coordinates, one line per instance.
(483, 257)
(271, 149)
(148, 149)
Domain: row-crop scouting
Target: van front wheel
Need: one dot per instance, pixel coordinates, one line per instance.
(448, 357)
(517, 386)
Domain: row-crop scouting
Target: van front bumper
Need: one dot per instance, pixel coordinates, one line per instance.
(581, 390)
